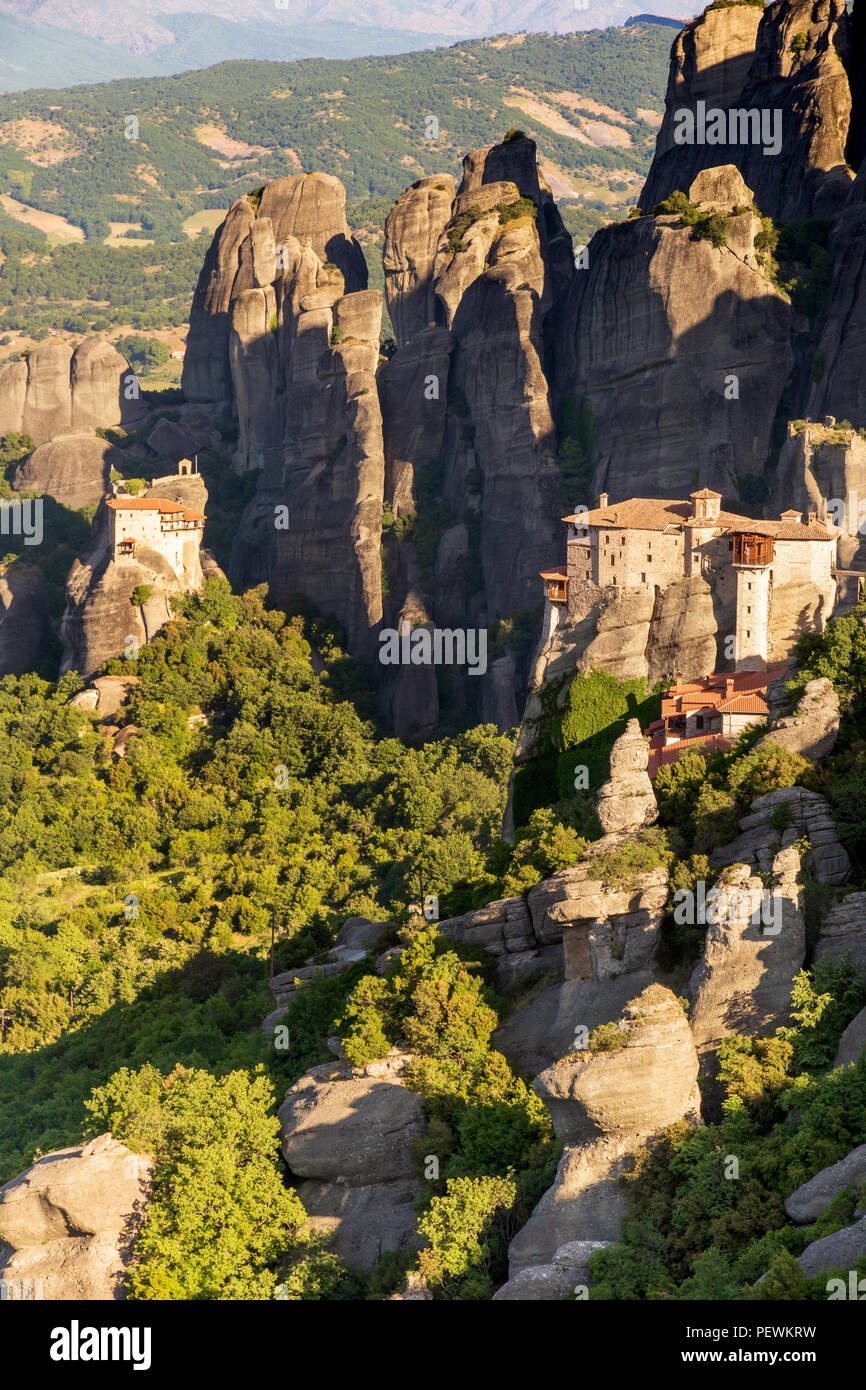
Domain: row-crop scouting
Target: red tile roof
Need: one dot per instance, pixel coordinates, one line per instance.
(153, 504)
(560, 573)
(742, 692)
(658, 514)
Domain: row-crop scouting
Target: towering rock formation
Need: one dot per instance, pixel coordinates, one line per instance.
(627, 801)
(74, 469)
(838, 378)
(453, 445)
(23, 617)
(284, 332)
(661, 330)
(788, 59)
(57, 390)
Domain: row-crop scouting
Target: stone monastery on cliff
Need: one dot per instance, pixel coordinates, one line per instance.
(648, 543)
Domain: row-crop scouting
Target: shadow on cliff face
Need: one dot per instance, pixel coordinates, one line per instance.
(803, 62)
(656, 332)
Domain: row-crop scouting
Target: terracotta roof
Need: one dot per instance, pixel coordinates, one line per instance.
(741, 692)
(560, 573)
(153, 504)
(657, 514)
(705, 492)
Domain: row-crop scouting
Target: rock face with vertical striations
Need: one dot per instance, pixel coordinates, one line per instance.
(791, 59)
(24, 624)
(71, 1220)
(838, 378)
(654, 332)
(284, 332)
(59, 391)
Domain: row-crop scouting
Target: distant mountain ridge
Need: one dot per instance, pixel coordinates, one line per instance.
(168, 36)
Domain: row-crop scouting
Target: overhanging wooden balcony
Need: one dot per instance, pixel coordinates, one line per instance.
(752, 549)
(555, 585)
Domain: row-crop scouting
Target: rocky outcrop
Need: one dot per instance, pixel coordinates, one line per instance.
(837, 1251)
(60, 391)
(755, 946)
(789, 59)
(101, 621)
(642, 1086)
(843, 929)
(627, 801)
(658, 330)
(71, 1221)
(606, 1105)
(347, 1133)
(808, 815)
(567, 1272)
(608, 938)
(852, 1041)
(812, 1198)
(413, 231)
(74, 469)
(813, 728)
(24, 624)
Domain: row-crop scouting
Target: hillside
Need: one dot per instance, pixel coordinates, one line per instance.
(58, 44)
(592, 101)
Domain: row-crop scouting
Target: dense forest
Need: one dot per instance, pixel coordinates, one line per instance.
(138, 899)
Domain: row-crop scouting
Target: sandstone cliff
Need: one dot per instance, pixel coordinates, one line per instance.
(57, 390)
(74, 469)
(23, 617)
(791, 58)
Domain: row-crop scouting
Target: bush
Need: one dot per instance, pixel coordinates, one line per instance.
(467, 1232)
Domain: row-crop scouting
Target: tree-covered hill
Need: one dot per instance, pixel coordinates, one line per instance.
(364, 120)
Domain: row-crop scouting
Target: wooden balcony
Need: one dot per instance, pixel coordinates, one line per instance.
(555, 585)
(752, 549)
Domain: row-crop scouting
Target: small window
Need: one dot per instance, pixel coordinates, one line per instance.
(748, 609)
(622, 540)
(649, 559)
(643, 579)
(748, 634)
(748, 586)
(699, 722)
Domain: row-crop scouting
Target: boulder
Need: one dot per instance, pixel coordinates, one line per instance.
(74, 469)
(760, 841)
(71, 1220)
(359, 933)
(348, 1133)
(606, 1105)
(543, 1030)
(812, 1198)
(813, 728)
(627, 801)
(568, 1270)
(173, 441)
(636, 1090)
(837, 1251)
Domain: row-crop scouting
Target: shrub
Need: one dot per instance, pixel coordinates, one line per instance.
(467, 1233)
